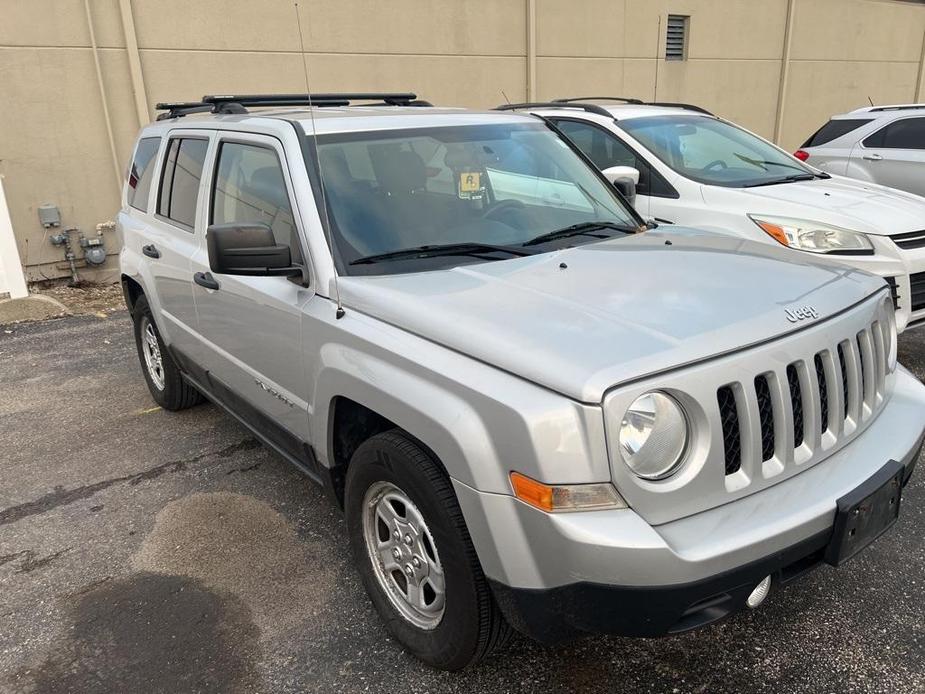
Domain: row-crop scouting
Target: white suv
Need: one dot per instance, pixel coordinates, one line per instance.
(879, 144)
(699, 170)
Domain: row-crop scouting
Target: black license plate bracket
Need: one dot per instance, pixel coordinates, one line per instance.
(865, 513)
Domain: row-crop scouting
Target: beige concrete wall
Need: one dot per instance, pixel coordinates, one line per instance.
(54, 144)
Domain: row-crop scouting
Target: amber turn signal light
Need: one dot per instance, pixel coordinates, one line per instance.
(572, 497)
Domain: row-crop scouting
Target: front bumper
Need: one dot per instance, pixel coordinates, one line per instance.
(559, 575)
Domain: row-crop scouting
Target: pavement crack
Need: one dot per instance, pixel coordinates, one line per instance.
(62, 497)
(30, 560)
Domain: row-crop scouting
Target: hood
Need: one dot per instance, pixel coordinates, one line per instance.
(844, 202)
(617, 311)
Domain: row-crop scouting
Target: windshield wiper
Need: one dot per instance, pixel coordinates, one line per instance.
(435, 251)
(582, 228)
(786, 179)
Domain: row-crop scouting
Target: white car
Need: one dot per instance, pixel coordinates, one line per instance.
(879, 144)
(699, 170)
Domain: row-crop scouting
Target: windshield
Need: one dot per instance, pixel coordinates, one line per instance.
(481, 192)
(712, 151)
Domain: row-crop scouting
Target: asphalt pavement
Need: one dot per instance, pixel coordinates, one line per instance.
(143, 550)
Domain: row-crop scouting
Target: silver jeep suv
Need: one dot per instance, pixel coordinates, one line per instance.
(534, 411)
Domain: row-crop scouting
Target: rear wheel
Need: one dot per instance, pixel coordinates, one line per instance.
(415, 556)
(162, 374)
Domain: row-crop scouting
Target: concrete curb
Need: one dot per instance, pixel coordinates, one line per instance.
(31, 308)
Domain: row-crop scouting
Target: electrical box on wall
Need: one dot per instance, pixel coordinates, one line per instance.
(49, 216)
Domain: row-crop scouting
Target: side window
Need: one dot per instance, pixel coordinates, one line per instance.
(249, 186)
(606, 150)
(908, 133)
(180, 179)
(141, 172)
(835, 129)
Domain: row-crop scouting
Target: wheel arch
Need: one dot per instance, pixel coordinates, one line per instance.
(354, 410)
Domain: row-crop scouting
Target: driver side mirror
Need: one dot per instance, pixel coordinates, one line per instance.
(625, 179)
(248, 249)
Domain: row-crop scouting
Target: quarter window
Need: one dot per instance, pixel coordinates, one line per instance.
(908, 133)
(180, 179)
(606, 150)
(834, 129)
(141, 172)
(250, 187)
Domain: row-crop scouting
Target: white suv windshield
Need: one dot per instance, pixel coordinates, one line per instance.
(712, 151)
(488, 185)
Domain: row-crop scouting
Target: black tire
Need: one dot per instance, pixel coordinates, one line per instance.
(175, 393)
(472, 625)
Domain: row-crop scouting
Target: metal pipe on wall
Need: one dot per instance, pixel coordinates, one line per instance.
(134, 62)
(921, 76)
(117, 169)
(784, 73)
(531, 50)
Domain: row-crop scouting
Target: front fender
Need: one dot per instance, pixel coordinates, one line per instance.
(480, 422)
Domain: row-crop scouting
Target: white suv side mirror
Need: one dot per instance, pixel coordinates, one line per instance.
(625, 179)
(624, 173)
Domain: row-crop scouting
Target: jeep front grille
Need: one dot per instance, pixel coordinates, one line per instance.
(807, 407)
(729, 416)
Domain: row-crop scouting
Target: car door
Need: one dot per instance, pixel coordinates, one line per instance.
(894, 155)
(166, 233)
(251, 326)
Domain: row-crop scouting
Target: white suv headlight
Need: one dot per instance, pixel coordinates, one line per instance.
(815, 237)
(653, 435)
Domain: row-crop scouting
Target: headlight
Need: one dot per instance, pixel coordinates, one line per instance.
(814, 237)
(653, 435)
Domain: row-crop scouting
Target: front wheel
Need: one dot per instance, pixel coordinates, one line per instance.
(414, 554)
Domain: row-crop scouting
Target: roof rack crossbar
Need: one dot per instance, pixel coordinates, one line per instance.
(590, 108)
(628, 100)
(234, 103)
(389, 98)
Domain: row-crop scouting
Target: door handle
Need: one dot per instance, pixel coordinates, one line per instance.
(872, 157)
(205, 279)
(151, 251)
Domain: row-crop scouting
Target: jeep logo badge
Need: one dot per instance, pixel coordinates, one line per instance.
(795, 315)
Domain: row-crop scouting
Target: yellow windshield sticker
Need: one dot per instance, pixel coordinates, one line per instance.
(470, 182)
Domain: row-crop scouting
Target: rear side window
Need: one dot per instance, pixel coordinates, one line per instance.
(908, 133)
(250, 187)
(141, 172)
(180, 179)
(835, 129)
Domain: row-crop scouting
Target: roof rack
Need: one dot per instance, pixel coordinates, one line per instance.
(899, 107)
(238, 103)
(578, 102)
(628, 100)
(590, 108)
(673, 104)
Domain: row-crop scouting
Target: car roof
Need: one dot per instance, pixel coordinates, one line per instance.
(336, 119)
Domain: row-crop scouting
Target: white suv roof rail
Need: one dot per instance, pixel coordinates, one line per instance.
(893, 107)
